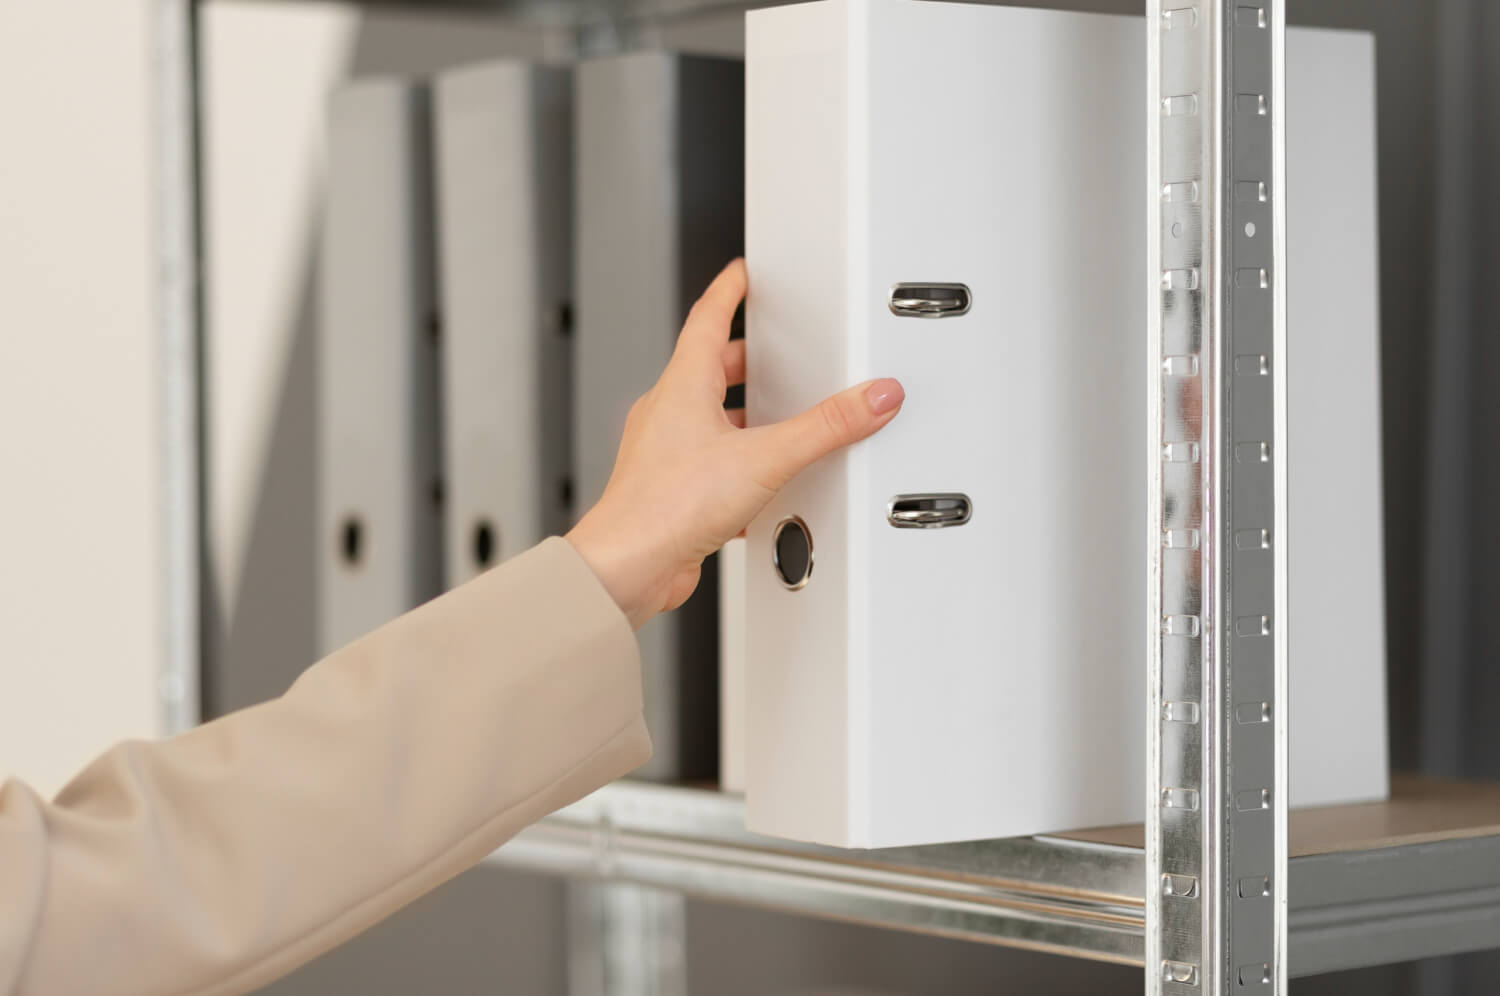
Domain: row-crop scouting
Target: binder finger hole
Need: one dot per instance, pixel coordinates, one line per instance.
(792, 553)
(485, 543)
(352, 540)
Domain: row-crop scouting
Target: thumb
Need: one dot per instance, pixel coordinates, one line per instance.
(787, 448)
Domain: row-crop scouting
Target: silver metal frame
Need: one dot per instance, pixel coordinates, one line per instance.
(1048, 894)
(625, 940)
(1216, 837)
(1348, 909)
(178, 301)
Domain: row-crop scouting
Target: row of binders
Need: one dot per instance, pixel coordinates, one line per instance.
(508, 254)
(951, 194)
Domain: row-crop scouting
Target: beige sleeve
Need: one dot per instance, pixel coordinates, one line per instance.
(223, 858)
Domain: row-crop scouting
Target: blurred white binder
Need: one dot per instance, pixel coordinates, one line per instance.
(379, 492)
(660, 209)
(945, 623)
(503, 135)
(732, 666)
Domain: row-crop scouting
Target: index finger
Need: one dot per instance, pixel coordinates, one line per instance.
(707, 327)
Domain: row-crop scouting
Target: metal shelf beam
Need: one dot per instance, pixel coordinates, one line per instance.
(1351, 909)
(1081, 899)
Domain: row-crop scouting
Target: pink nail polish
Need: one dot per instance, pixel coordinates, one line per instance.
(885, 396)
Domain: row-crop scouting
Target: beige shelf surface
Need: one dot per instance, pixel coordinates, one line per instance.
(1420, 810)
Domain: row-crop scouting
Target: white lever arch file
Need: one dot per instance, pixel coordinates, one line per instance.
(505, 193)
(380, 491)
(945, 622)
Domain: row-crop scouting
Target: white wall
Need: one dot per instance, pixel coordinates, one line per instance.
(79, 497)
(267, 72)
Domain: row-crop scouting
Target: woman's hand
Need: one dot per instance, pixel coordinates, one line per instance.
(689, 476)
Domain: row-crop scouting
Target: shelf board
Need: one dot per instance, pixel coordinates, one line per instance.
(1419, 811)
(1416, 876)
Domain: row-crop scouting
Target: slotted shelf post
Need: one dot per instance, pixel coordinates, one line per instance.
(1216, 827)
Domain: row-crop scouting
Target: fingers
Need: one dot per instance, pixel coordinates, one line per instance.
(736, 417)
(785, 449)
(734, 362)
(723, 297)
(707, 327)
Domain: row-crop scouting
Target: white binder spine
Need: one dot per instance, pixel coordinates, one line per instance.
(732, 666)
(503, 136)
(380, 488)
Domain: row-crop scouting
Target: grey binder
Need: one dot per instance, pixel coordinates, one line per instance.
(504, 138)
(660, 171)
(379, 494)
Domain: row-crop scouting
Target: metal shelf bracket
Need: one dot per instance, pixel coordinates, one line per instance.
(1216, 834)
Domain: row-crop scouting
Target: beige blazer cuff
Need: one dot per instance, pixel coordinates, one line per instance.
(223, 858)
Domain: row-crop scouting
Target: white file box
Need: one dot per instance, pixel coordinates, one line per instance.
(379, 489)
(504, 137)
(953, 195)
(660, 167)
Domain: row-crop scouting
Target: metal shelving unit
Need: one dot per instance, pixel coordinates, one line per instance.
(1371, 884)
(1415, 877)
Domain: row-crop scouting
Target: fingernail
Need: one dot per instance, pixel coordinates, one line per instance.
(885, 396)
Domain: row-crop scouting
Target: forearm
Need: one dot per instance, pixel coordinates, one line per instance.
(223, 858)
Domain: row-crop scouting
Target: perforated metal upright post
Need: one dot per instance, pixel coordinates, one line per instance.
(1216, 853)
(626, 940)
